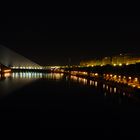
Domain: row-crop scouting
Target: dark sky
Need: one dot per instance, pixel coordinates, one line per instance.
(52, 40)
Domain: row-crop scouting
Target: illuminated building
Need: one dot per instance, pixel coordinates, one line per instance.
(119, 60)
(106, 61)
(94, 62)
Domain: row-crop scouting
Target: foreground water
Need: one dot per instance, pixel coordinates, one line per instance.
(58, 100)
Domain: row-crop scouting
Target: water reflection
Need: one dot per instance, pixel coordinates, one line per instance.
(91, 82)
(115, 89)
(52, 76)
(96, 83)
(10, 82)
(107, 88)
(26, 75)
(110, 90)
(34, 75)
(79, 79)
(6, 75)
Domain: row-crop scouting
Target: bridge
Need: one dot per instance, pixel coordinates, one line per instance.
(12, 60)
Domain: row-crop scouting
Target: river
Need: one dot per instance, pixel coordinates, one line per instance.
(54, 100)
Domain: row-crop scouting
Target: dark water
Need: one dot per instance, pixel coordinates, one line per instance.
(60, 101)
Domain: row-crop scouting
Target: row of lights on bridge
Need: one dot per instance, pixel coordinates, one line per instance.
(27, 67)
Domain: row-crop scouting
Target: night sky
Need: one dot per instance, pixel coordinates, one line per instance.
(54, 40)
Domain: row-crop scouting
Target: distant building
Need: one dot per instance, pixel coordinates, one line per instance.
(119, 60)
(94, 62)
(106, 61)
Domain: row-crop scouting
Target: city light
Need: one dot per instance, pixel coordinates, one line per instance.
(118, 60)
(96, 74)
(136, 79)
(128, 80)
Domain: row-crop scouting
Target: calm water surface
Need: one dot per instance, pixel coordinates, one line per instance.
(58, 100)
